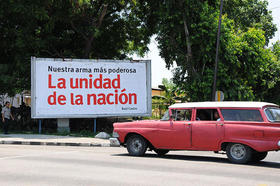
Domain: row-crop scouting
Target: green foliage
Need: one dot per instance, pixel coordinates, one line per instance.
(68, 29)
(187, 36)
(159, 106)
(186, 32)
(169, 91)
(251, 13)
(276, 50)
(171, 94)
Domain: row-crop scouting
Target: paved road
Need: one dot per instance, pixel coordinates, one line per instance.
(55, 165)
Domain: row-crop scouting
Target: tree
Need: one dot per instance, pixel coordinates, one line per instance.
(187, 36)
(104, 29)
(169, 91)
(170, 95)
(272, 95)
(251, 13)
(276, 50)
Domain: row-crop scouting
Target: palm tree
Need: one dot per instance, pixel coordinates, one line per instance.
(169, 89)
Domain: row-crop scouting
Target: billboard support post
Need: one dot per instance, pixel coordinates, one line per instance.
(63, 125)
(94, 125)
(40, 126)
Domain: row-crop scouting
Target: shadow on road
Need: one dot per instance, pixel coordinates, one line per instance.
(205, 159)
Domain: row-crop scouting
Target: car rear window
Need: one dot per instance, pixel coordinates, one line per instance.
(241, 115)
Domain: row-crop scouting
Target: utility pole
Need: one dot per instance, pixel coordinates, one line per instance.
(217, 52)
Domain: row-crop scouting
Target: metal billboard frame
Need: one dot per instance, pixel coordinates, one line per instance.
(41, 116)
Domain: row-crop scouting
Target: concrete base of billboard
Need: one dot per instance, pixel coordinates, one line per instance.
(63, 125)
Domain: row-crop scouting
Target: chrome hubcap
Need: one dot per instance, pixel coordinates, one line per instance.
(238, 151)
(136, 145)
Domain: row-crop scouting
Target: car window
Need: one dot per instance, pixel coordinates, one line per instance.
(207, 115)
(272, 114)
(241, 115)
(165, 116)
(181, 114)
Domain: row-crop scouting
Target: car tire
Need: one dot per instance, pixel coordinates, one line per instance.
(238, 153)
(161, 152)
(136, 145)
(258, 156)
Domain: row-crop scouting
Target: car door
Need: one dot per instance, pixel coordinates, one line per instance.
(207, 131)
(175, 134)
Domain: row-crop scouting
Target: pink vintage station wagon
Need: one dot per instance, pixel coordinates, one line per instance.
(246, 131)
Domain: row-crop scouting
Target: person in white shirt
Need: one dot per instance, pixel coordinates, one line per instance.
(6, 117)
(217, 117)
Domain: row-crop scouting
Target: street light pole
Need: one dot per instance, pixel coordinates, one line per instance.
(217, 53)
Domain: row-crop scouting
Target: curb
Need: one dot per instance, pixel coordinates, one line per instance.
(58, 143)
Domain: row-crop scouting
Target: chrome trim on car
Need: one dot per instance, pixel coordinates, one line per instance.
(115, 135)
(114, 142)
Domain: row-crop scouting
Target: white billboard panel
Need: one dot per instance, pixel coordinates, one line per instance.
(77, 88)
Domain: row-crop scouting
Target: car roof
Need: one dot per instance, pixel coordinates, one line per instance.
(231, 104)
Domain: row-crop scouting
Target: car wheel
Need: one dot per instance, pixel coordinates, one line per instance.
(258, 156)
(161, 152)
(136, 145)
(238, 153)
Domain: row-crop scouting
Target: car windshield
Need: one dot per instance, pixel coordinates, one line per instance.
(273, 114)
(165, 116)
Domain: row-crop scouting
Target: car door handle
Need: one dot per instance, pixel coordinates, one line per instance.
(221, 124)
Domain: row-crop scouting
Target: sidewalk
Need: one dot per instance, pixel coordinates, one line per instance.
(37, 139)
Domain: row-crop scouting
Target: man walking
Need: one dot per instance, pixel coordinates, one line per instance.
(6, 117)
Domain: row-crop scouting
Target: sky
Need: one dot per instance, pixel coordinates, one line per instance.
(159, 69)
(274, 6)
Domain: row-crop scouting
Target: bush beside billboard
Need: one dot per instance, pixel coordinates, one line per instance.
(80, 88)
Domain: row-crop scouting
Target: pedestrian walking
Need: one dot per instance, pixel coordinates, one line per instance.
(6, 117)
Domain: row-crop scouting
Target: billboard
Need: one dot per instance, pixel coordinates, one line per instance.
(83, 88)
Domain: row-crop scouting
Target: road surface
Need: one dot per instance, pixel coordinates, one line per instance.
(54, 165)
